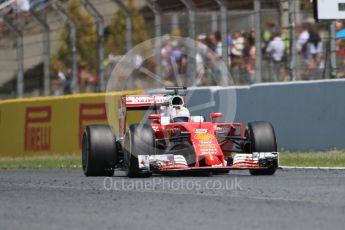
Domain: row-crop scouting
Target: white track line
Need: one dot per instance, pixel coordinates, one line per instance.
(314, 168)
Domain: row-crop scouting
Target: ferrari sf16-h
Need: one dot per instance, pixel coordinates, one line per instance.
(162, 145)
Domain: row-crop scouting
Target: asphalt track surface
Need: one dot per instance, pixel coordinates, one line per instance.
(65, 199)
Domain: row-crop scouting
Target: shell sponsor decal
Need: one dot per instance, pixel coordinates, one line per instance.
(203, 136)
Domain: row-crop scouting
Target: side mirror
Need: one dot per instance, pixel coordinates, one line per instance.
(154, 116)
(216, 115)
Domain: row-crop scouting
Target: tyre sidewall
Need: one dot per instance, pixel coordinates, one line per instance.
(99, 151)
(262, 138)
(139, 140)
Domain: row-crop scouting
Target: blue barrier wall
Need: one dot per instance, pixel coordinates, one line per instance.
(306, 115)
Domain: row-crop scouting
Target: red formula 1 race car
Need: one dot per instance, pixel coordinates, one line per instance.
(170, 143)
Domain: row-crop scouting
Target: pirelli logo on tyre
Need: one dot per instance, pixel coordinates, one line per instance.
(38, 128)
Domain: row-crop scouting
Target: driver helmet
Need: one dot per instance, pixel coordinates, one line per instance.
(176, 102)
(178, 113)
(171, 103)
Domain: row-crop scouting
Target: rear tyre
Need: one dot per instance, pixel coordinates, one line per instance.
(262, 138)
(99, 151)
(139, 140)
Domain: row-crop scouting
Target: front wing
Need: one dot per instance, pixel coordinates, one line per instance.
(177, 163)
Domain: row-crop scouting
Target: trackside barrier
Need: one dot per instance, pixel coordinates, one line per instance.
(307, 116)
(51, 125)
(201, 101)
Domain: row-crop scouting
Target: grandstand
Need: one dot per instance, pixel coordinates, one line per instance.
(242, 16)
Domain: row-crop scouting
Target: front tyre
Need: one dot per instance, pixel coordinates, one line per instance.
(99, 151)
(262, 138)
(139, 140)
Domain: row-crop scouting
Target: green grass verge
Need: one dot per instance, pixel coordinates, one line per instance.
(302, 159)
(41, 162)
(313, 159)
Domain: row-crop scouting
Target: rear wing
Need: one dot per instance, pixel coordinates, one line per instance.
(142, 102)
(137, 103)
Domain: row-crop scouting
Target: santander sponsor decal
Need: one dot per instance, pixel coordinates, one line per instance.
(198, 131)
(133, 100)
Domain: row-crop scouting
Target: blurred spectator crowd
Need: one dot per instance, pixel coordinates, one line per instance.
(275, 48)
(311, 47)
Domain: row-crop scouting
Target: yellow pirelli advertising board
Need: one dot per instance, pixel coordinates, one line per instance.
(53, 125)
